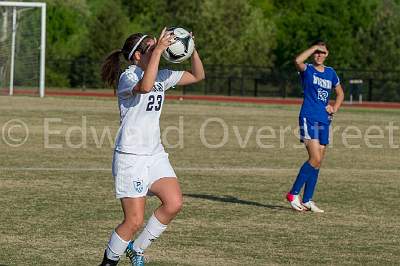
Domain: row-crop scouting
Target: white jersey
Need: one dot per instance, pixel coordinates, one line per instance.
(139, 132)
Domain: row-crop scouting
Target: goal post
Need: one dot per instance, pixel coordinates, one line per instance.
(10, 38)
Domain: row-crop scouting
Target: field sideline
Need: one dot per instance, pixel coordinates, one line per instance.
(107, 93)
(235, 161)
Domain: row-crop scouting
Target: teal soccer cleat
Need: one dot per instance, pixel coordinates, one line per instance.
(137, 259)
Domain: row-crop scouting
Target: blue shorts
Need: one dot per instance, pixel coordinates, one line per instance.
(312, 129)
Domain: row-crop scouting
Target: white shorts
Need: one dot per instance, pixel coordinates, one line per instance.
(134, 174)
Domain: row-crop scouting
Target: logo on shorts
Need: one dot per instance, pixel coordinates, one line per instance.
(138, 185)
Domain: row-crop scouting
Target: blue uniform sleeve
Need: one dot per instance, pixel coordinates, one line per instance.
(303, 75)
(306, 70)
(335, 80)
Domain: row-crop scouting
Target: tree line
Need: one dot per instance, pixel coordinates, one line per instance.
(361, 34)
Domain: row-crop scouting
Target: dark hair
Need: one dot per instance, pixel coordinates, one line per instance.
(319, 42)
(111, 68)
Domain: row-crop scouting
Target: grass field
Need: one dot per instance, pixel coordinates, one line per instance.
(58, 205)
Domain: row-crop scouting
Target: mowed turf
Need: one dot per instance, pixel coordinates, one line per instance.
(58, 205)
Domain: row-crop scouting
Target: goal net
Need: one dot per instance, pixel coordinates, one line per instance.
(22, 47)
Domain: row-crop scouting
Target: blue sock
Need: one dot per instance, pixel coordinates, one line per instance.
(311, 182)
(304, 173)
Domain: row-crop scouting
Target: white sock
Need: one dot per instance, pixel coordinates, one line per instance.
(151, 232)
(116, 247)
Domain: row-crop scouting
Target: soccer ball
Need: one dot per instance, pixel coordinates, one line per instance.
(182, 48)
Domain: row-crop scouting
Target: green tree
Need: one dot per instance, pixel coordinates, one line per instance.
(66, 30)
(234, 32)
(227, 32)
(147, 16)
(107, 31)
(300, 22)
(380, 50)
(381, 40)
(150, 16)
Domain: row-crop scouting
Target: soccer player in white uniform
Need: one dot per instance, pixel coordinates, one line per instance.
(140, 164)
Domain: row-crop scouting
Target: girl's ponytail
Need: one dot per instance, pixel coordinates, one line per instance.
(110, 70)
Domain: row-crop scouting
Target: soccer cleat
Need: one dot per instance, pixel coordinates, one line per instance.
(137, 259)
(310, 206)
(294, 201)
(107, 262)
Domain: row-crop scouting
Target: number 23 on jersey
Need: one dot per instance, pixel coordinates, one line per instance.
(154, 103)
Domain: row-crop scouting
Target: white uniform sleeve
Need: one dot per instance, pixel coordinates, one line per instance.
(170, 77)
(127, 82)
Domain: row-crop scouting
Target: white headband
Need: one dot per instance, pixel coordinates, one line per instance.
(136, 46)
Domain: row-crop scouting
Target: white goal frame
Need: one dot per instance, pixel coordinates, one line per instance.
(42, 6)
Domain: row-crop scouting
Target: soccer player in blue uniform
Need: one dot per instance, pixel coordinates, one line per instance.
(315, 117)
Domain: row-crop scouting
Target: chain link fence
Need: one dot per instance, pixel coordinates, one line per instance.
(238, 80)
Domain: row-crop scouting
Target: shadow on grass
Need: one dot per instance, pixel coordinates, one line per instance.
(231, 199)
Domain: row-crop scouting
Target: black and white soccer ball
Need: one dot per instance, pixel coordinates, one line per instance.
(182, 48)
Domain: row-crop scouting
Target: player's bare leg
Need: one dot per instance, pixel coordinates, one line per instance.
(133, 217)
(316, 154)
(133, 209)
(315, 151)
(308, 170)
(168, 191)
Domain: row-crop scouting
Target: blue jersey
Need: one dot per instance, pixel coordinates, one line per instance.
(317, 88)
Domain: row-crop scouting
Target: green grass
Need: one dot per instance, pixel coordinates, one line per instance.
(58, 205)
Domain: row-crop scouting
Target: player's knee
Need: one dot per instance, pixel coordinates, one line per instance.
(316, 162)
(174, 206)
(134, 223)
